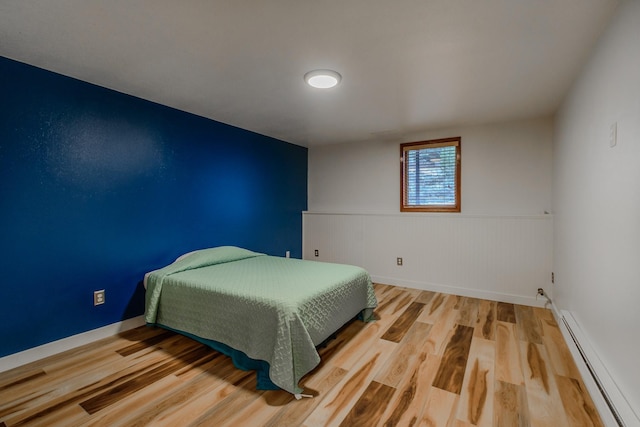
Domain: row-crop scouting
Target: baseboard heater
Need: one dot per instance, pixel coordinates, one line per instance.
(616, 402)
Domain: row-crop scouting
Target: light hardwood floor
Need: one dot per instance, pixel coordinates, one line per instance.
(430, 359)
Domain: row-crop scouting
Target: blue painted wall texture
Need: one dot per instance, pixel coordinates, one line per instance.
(98, 187)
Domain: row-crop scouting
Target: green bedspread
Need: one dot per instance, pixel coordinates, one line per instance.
(271, 308)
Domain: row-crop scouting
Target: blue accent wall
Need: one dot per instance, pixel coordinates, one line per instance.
(98, 187)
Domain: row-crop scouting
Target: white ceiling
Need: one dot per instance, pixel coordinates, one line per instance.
(407, 65)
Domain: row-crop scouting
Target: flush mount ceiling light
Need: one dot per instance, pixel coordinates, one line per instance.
(322, 79)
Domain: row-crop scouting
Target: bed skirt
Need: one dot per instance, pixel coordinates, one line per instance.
(239, 359)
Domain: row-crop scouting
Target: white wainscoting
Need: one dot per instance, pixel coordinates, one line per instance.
(504, 258)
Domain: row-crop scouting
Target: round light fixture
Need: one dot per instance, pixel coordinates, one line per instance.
(322, 79)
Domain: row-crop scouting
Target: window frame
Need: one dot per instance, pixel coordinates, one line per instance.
(434, 143)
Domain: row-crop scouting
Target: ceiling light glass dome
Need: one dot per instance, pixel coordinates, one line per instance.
(322, 79)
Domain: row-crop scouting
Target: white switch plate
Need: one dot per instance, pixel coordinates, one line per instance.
(613, 134)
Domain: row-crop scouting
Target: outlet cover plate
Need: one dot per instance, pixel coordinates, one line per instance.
(98, 297)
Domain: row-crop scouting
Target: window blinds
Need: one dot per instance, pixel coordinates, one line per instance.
(431, 176)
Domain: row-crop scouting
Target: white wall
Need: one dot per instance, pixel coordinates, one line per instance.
(506, 170)
(503, 258)
(498, 247)
(596, 201)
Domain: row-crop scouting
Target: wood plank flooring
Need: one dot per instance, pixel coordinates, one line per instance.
(430, 359)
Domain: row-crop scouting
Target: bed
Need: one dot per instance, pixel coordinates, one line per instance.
(267, 313)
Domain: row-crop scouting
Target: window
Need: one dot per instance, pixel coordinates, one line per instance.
(430, 176)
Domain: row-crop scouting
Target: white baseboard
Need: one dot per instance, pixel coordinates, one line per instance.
(465, 292)
(611, 404)
(49, 349)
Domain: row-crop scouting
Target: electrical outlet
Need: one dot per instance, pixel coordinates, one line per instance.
(399, 261)
(553, 277)
(316, 252)
(287, 254)
(98, 297)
